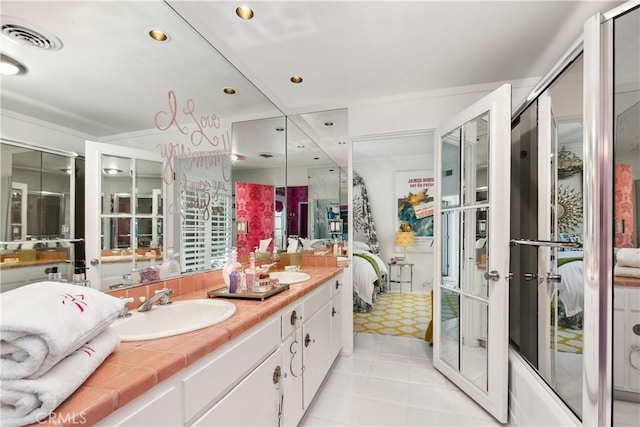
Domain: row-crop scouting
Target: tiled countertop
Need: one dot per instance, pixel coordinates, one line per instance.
(136, 367)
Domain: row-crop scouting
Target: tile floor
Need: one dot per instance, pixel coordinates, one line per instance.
(390, 381)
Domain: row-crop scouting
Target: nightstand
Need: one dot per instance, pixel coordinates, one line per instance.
(401, 267)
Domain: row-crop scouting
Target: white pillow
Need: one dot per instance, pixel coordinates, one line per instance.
(360, 246)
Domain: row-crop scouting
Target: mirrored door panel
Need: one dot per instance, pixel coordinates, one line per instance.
(626, 221)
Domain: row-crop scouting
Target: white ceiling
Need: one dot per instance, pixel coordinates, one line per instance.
(110, 78)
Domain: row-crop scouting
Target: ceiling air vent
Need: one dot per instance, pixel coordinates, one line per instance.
(23, 33)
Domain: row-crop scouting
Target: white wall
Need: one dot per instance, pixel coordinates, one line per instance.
(422, 110)
(379, 178)
(392, 117)
(20, 128)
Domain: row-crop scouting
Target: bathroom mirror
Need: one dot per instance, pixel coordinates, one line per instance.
(36, 193)
(164, 96)
(316, 184)
(259, 179)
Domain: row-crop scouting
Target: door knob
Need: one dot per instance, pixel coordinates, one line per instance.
(94, 262)
(492, 275)
(530, 276)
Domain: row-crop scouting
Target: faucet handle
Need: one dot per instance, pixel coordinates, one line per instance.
(167, 293)
(125, 308)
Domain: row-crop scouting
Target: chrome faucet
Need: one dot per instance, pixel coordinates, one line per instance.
(162, 295)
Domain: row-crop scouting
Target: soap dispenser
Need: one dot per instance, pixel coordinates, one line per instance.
(170, 267)
(251, 272)
(275, 259)
(231, 265)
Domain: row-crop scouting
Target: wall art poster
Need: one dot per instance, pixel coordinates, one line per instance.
(415, 191)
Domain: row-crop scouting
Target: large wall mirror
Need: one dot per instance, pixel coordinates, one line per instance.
(173, 96)
(316, 183)
(36, 199)
(259, 185)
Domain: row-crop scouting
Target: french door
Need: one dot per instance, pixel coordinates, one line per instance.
(471, 327)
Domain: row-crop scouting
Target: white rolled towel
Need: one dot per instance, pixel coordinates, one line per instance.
(628, 257)
(44, 322)
(27, 401)
(626, 271)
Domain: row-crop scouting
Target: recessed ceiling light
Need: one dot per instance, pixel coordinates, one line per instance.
(112, 171)
(244, 12)
(328, 123)
(229, 90)
(158, 35)
(11, 67)
(296, 79)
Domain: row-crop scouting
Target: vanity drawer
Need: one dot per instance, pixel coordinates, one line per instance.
(315, 300)
(294, 312)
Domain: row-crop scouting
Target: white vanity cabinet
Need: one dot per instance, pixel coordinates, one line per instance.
(336, 316)
(311, 341)
(316, 332)
(291, 350)
(256, 401)
(626, 340)
(266, 377)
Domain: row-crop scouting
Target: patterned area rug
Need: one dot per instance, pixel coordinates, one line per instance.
(405, 314)
(569, 340)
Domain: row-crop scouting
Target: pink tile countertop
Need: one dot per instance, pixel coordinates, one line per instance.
(136, 367)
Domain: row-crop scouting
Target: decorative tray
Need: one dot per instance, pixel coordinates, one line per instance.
(224, 293)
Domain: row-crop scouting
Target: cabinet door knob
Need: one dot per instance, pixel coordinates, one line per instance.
(277, 373)
(294, 317)
(333, 311)
(337, 284)
(307, 340)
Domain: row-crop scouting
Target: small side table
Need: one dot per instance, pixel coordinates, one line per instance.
(401, 267)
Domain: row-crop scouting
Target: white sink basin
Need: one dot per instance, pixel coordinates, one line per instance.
(173, 319)
(289, 277)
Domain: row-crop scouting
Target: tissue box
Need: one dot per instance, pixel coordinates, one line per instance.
(27, 254)
(290, 259)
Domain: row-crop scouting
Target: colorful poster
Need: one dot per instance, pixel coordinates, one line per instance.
(415, 191)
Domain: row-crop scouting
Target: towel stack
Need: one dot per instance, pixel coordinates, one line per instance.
(627, 263)
(54, 336)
